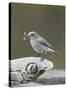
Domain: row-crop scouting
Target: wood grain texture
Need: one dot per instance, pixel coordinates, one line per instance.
(49, 77)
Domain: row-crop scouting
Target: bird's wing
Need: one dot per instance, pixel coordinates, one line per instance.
(45, 42)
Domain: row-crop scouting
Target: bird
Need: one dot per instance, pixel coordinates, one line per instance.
(40, 44)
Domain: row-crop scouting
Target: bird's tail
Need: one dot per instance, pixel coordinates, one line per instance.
(56, 52)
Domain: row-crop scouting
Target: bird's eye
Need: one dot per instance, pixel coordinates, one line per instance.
(32, 34)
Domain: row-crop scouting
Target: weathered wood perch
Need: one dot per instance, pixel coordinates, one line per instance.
(30, 71)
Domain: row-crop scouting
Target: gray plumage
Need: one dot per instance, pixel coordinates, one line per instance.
(39, 44)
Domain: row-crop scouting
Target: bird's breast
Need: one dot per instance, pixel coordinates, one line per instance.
(36, 46)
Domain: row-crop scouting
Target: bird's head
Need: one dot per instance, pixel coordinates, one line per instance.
(33, 35)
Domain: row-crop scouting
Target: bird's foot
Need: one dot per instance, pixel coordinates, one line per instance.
(37, 55)
(41, 59)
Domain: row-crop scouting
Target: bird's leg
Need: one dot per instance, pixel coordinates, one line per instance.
(38, 54)
(41, 59)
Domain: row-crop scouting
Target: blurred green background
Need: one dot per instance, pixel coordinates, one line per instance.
(47, 20)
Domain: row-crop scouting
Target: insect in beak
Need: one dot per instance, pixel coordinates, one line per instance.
(25, 36)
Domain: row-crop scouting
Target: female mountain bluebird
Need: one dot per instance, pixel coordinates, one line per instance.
(39, 44)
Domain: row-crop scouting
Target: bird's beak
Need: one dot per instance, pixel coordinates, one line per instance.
(28, 36)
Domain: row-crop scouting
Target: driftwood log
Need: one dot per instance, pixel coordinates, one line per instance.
(30, 71)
